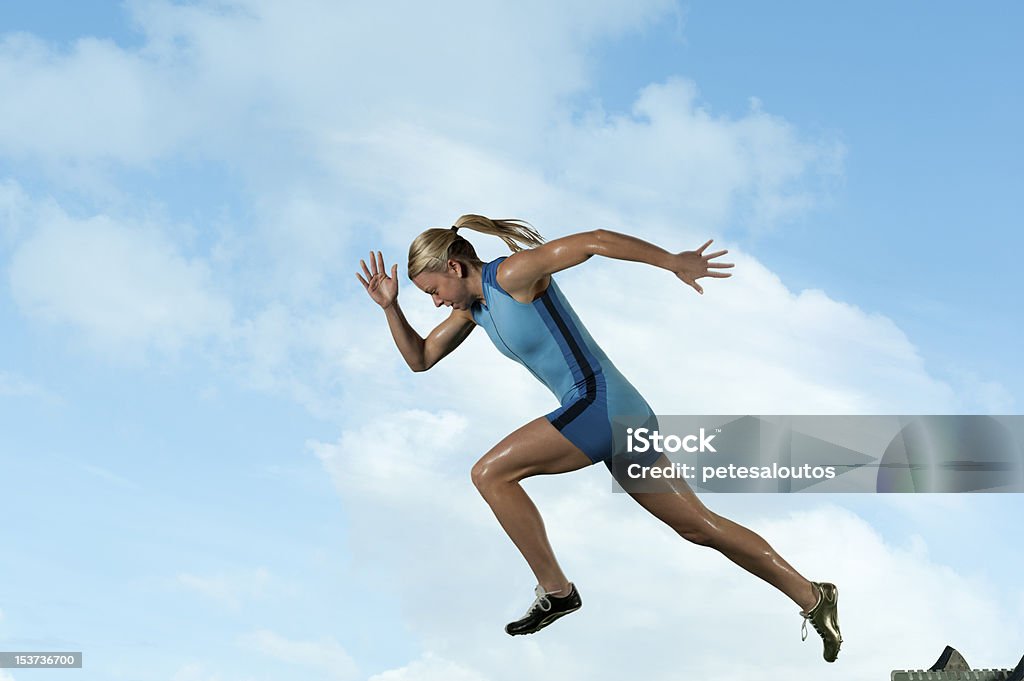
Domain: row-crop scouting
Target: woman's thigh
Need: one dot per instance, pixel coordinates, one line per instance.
(536, 448)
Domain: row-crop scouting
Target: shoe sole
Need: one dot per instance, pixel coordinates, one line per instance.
(545, 622)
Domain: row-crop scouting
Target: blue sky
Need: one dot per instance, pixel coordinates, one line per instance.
(216, 466)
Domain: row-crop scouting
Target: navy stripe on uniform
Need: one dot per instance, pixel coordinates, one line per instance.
(559, 324)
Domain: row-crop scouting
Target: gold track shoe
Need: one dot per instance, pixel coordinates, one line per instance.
(825, 619)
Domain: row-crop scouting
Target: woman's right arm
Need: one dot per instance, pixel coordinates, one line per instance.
(419, 353)
(422, 353)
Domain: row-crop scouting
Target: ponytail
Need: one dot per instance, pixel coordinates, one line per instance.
(515, 233)
(431, 250)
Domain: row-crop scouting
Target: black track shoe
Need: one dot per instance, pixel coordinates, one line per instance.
(546, 609)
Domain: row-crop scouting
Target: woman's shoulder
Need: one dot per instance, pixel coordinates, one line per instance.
(504, 273)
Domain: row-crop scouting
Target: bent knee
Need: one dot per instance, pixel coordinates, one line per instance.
(484, 474)
(479, 474)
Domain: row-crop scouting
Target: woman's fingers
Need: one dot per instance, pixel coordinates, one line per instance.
(377, 266)
(365, 284)
(702, 267)
(394, 271)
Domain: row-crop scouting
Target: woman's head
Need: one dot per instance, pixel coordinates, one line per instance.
(442, 262)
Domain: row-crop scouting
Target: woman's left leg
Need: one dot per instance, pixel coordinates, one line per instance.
(536, 448)
(673, 502)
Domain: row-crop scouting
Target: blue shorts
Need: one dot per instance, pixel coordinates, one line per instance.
(587, 412)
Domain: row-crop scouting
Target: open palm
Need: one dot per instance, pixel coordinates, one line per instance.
(690, 266)
(382, 288)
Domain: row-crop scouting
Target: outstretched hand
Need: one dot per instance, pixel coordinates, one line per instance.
(692, 265)
(382, 288)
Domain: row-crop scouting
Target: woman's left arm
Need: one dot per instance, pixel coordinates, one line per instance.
(521, 270)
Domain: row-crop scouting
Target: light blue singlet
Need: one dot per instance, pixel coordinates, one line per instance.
(547, 338)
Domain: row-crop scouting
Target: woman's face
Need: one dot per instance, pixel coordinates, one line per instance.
(448, 288)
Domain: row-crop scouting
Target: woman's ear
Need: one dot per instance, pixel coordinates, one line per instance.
(456, 268)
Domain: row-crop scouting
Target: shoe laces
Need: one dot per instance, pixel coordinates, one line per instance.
(542, 602)
(803, 627)
(807, 616)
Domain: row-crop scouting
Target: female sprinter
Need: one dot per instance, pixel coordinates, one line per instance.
(516, 300)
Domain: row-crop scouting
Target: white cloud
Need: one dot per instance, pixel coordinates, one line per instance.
(981, 395)
(316, 358)
(195, 671)
(430, 668)
(204, 67)
(411, 452)
(125, 287)
(671, 157)
(123, 107)
(750, 345)
(231, 590)
(12, 385)
(325, 655)
(14, 211)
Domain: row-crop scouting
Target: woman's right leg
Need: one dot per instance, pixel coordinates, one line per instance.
(536, 448)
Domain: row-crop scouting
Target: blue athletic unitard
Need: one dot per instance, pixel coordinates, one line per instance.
(548, 338)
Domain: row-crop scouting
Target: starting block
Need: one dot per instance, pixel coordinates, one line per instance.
(951, 666)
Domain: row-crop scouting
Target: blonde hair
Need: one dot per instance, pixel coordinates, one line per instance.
(432, 249)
